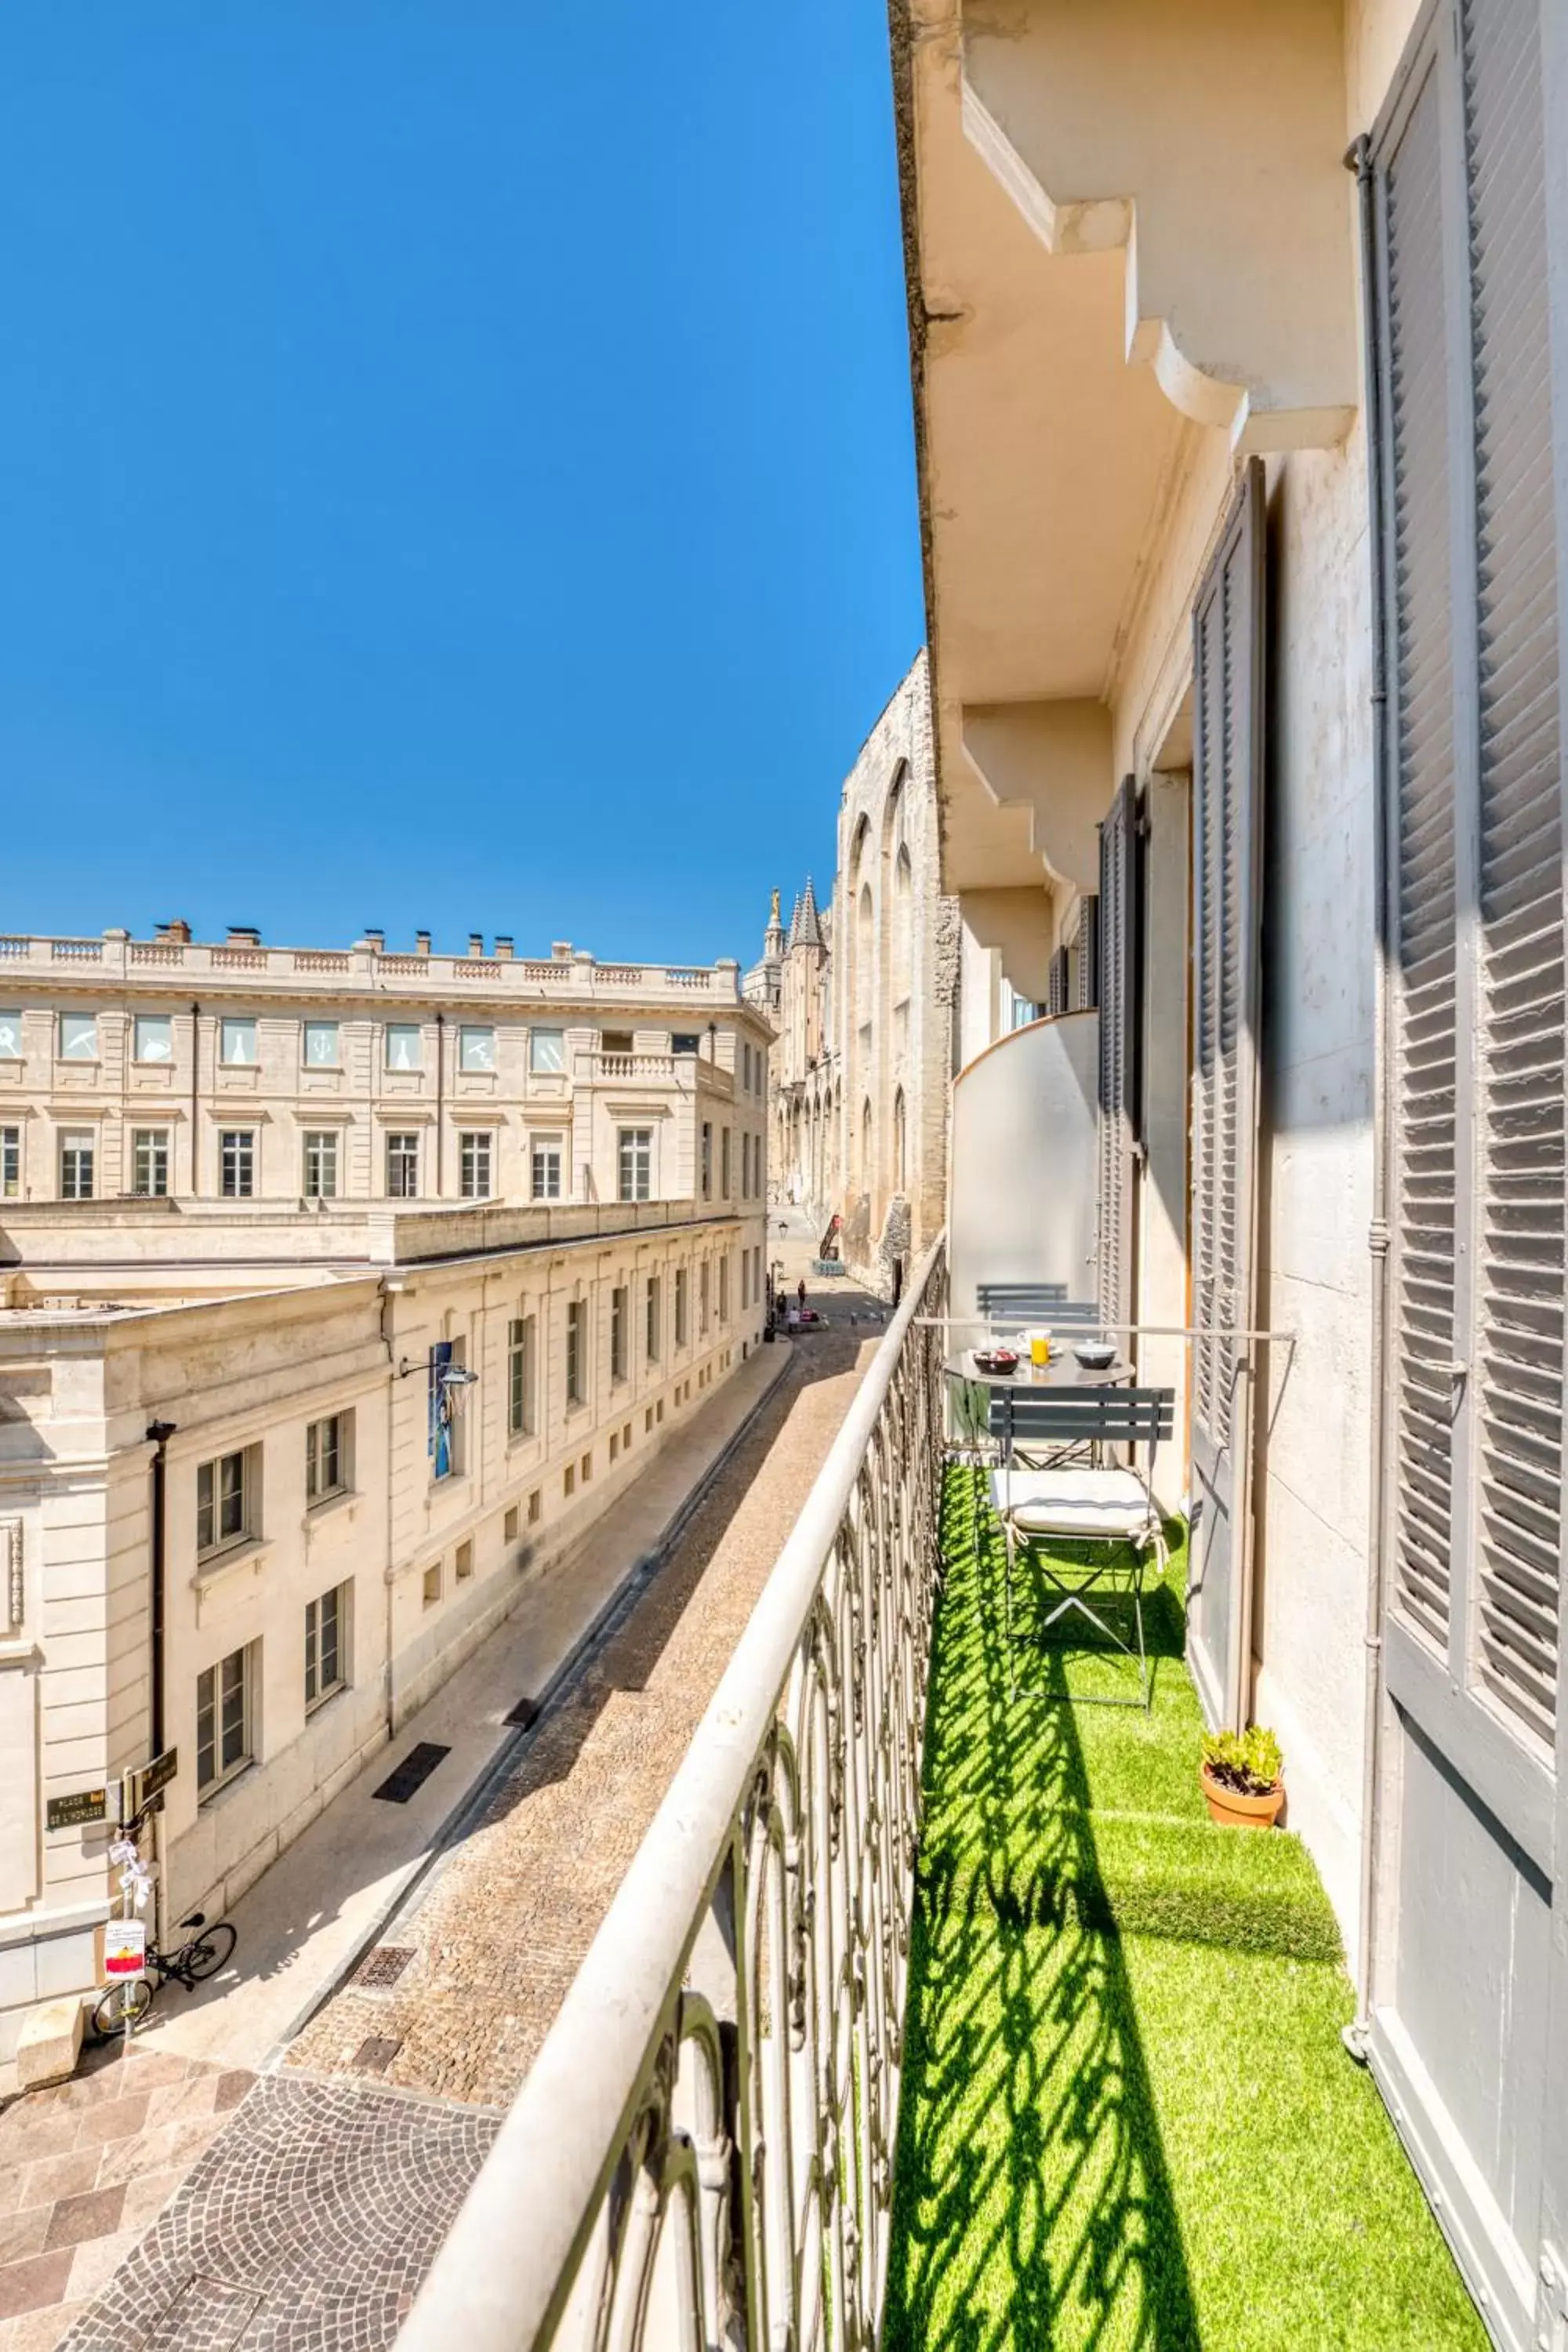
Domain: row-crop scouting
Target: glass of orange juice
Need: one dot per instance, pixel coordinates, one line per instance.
(1040, 1348)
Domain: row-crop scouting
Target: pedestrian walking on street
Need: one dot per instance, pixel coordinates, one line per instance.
(802, 1293)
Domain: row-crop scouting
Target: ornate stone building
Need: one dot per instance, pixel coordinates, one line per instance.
(896, 1000)
(340, 1294)
(794, 984)
(864, 998)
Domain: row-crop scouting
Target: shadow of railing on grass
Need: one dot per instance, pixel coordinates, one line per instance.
(1033, 2203)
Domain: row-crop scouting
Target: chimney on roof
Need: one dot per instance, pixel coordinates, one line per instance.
(421, 943)
(504, 949)
(559, 950)
(175, 934)
(375, 937)
(476, 943)
(243, 935)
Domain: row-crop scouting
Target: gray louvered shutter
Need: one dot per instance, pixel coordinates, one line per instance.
(1087, 977)
(1056, 984)
(1227, 695)
(1478, 1149)
(1517, 1249)
(1117, 926)
(1424, 1075)
(1227, 791)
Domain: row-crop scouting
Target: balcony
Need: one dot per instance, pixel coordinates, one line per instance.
(116, 959)
(930, 2016)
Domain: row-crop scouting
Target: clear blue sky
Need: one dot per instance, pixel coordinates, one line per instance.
(455, 463)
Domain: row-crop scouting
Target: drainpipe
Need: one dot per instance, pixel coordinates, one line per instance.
(389, 1291)
(159, 1433)
(440, 1082)
(195, 1096)
(1359, 159)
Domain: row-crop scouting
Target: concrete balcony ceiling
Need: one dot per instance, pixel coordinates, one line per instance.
(1130, 225)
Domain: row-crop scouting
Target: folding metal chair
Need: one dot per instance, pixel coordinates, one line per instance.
(1035, 1302)
(1114, 1506)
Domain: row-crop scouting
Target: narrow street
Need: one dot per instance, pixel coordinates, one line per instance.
(303, 2195)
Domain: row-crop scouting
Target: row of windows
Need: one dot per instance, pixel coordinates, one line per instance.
(228, 1512)
(321, 1163)
(229, 1487)
(320, 1044)
(321, 1156)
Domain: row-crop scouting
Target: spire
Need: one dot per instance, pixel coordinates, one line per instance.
(794, 922)
(806, 929)
(774, 937)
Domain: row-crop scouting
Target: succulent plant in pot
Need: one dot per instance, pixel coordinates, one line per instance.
(1243, 1777)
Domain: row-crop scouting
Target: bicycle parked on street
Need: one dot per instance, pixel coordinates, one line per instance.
(202, 1955)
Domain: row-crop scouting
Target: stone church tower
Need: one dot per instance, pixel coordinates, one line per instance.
(793, 984)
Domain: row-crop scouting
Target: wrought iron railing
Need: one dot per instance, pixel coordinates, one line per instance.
(702, 2154)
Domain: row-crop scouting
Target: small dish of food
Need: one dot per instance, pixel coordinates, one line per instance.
(996, 1360)
(1096, 1355)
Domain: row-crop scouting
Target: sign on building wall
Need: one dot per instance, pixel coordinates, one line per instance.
(73, 1812)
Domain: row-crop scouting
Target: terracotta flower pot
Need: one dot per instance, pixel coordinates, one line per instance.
(1238, 1811)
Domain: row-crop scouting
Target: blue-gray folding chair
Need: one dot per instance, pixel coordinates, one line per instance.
(1017, 1303)
(1072, 1503)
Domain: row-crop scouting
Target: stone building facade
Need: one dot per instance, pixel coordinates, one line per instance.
(896, 999)
(253, 1349)
(332, 1545)
(864, 998)
(794, 981)
(168, 1068)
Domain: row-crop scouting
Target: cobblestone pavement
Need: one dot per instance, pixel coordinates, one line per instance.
(307, 2228)
(309, 2221)
(499, 1934)
(84, 2166)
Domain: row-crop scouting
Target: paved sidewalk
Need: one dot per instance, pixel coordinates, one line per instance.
(476, 1969)
(309, 2220)
(85, 2166)
(304, 1920)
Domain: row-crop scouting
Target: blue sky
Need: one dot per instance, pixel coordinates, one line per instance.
(456, 462)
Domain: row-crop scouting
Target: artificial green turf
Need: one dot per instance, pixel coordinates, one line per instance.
(1128, 2119)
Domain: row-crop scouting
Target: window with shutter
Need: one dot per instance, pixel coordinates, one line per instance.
(1423, 866)
(1086, 968)
(1056, 984)
(1116, 925)
(1227, 793)
(1466, 257)
(1470, 566)
(1520, 1228)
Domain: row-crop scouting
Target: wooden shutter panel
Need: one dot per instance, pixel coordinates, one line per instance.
(1227, 791)
(1119, 1017)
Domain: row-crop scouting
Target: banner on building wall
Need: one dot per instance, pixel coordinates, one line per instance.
(440, 1442)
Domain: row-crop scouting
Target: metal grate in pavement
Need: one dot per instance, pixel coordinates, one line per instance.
(383, 1967)
(412, 1774)
(208, 2314)
(376, 2052)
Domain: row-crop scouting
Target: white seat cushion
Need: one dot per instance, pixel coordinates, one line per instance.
(1073, 1502)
